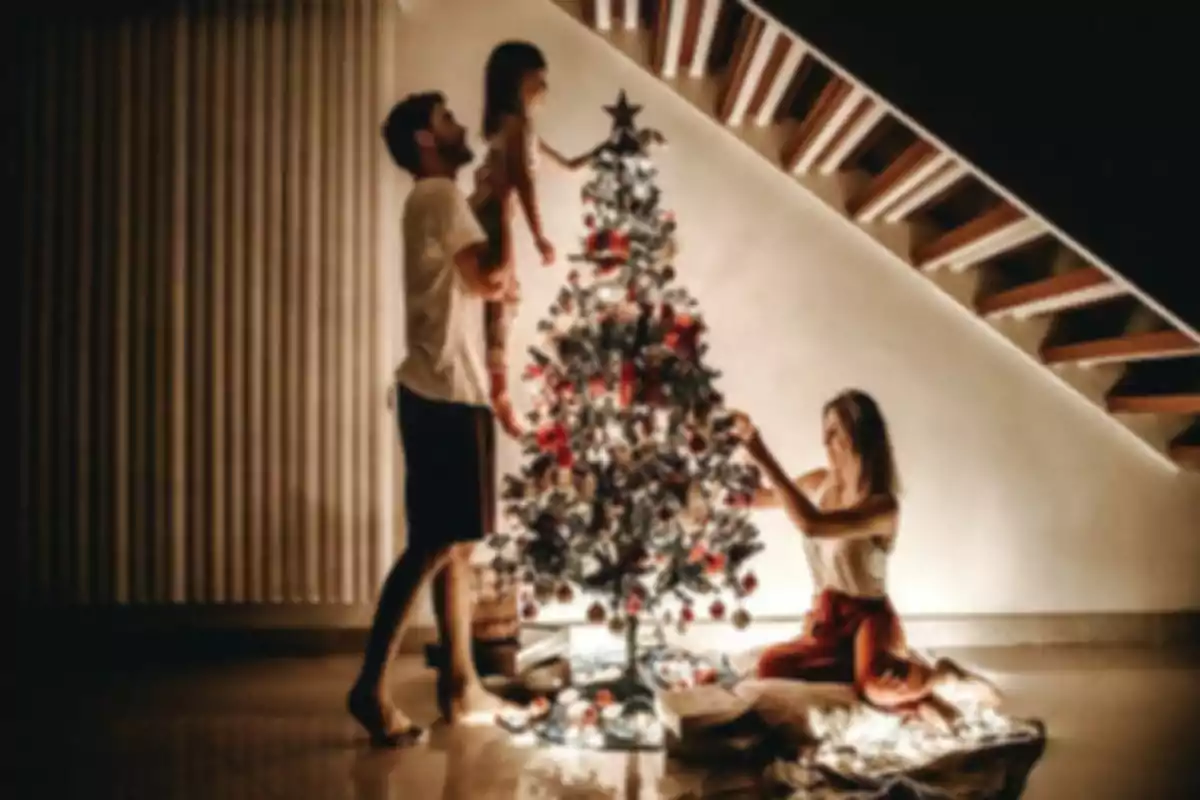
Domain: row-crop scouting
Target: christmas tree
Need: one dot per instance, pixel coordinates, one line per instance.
(633, 488)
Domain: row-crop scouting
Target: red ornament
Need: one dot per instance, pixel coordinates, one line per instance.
(565, 457)
(533, 371)
(717, 609)
(565, 593)
(552, 438)
(565, 389)
(749, 582)
(687, 614)
(604, 698)
(633, 605)
(684, 336)
(596, 613)
(715, 562)
(589, 220)
(530, 611)
(539, 707)
(699, 553)
(705, 675)
(737, 500)
(628, 377)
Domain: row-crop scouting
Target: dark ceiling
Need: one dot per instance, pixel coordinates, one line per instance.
(1086, 115)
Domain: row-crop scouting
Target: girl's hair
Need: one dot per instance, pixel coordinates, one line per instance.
(860, 416)
(506, 66)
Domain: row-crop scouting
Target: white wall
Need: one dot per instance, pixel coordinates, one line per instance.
(1019, 498)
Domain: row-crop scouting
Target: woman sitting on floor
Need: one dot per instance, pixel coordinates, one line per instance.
(848, 513)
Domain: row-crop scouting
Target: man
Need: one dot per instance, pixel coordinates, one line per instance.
(445, 423)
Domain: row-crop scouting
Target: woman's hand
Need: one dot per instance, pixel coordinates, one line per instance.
(743, 429)
(545, 249)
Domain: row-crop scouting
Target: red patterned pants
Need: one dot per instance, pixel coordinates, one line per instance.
(853, 640)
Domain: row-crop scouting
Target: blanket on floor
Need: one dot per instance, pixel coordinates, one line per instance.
(817, 740)
(862, 754)
(822, 741)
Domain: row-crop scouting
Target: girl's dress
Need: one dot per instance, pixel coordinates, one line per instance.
(494, 201)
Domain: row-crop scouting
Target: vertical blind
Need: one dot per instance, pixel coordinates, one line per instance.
(206, 235)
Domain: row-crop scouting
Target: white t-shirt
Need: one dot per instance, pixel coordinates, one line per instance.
(443, 320)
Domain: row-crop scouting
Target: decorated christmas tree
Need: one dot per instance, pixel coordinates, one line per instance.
(633, 489)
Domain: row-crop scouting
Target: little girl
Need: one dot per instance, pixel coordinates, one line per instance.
(514, 88)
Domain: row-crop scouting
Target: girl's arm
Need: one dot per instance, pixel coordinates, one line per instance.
(647, 137)
(558, 158)
(517, 155)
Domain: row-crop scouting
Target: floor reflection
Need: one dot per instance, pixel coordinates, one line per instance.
(1119, 724)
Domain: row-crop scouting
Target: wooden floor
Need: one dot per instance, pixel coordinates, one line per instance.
(1120, 722)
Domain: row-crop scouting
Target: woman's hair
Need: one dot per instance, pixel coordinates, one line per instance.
(506, 66)
(868, 432)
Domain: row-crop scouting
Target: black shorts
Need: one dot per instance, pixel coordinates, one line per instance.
(449, 458)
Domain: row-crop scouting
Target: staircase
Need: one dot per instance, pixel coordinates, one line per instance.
(1074, 316)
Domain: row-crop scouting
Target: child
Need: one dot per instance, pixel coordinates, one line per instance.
(514, 89)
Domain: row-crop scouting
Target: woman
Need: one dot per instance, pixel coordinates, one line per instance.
(848, 513)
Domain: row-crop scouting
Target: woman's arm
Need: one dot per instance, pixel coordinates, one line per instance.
(864, 519)
(768, 496)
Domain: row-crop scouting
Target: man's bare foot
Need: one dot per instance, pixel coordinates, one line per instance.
(472, 704)
(385, 724)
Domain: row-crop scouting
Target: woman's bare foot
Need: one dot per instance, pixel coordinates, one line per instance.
(965, 686)
(385, 724)
(937, 713)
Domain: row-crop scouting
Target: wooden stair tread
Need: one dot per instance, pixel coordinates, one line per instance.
(1147, 403)
(1150, 344)
(1071, 288)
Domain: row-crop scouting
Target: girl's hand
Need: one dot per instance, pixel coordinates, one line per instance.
(546, 250)
(505, 415)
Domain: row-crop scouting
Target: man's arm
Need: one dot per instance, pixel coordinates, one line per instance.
(488, 285)
(463, 236)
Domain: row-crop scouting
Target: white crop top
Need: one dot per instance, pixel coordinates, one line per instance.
(854, 564)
